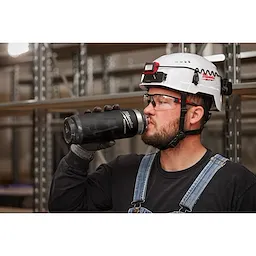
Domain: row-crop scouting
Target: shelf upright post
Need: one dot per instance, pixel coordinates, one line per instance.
(90, 67)
(42, 139)
(192, 48)
(168, 48)
(76, 74)
(15, 130)
(182, 47)
(232, 128)
(83, 70)
(48, 124)
(105, 73)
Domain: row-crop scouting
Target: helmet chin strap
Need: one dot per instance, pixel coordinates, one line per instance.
(181, 133)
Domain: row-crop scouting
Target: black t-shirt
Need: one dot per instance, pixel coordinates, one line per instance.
(110, 187)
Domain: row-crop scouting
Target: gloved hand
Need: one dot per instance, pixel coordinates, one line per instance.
(103, 144)
(86, 151)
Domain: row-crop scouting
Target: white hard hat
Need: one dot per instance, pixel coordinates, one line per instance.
(184, 72)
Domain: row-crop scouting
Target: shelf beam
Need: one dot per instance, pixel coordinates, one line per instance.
(126, 100)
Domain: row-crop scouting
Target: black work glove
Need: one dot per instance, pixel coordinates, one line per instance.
(87, 151)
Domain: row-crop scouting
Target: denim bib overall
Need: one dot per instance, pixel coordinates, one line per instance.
(192, 195)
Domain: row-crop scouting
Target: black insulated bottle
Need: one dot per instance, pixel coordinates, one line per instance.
(104, 126)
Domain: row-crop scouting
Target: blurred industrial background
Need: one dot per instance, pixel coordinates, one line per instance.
(48, 82)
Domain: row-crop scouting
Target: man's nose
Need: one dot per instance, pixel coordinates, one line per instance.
(149, 109)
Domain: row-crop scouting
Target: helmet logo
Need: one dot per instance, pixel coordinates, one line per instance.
(208, 77)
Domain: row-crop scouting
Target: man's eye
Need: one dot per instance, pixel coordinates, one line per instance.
(162, 101)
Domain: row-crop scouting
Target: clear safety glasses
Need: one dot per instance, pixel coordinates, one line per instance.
(162, 101)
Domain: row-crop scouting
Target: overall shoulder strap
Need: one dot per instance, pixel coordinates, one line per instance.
(142, 179)
(202, 180)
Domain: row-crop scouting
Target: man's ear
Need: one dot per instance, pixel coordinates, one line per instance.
(196, 114)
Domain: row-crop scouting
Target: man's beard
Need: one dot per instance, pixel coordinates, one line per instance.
(160, 139)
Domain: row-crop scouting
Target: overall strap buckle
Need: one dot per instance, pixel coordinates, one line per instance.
(184, 209)
(137, 206)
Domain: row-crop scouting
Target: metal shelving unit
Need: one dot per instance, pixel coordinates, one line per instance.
(43, 107)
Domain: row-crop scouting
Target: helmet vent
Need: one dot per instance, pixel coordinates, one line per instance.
(182, 61)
